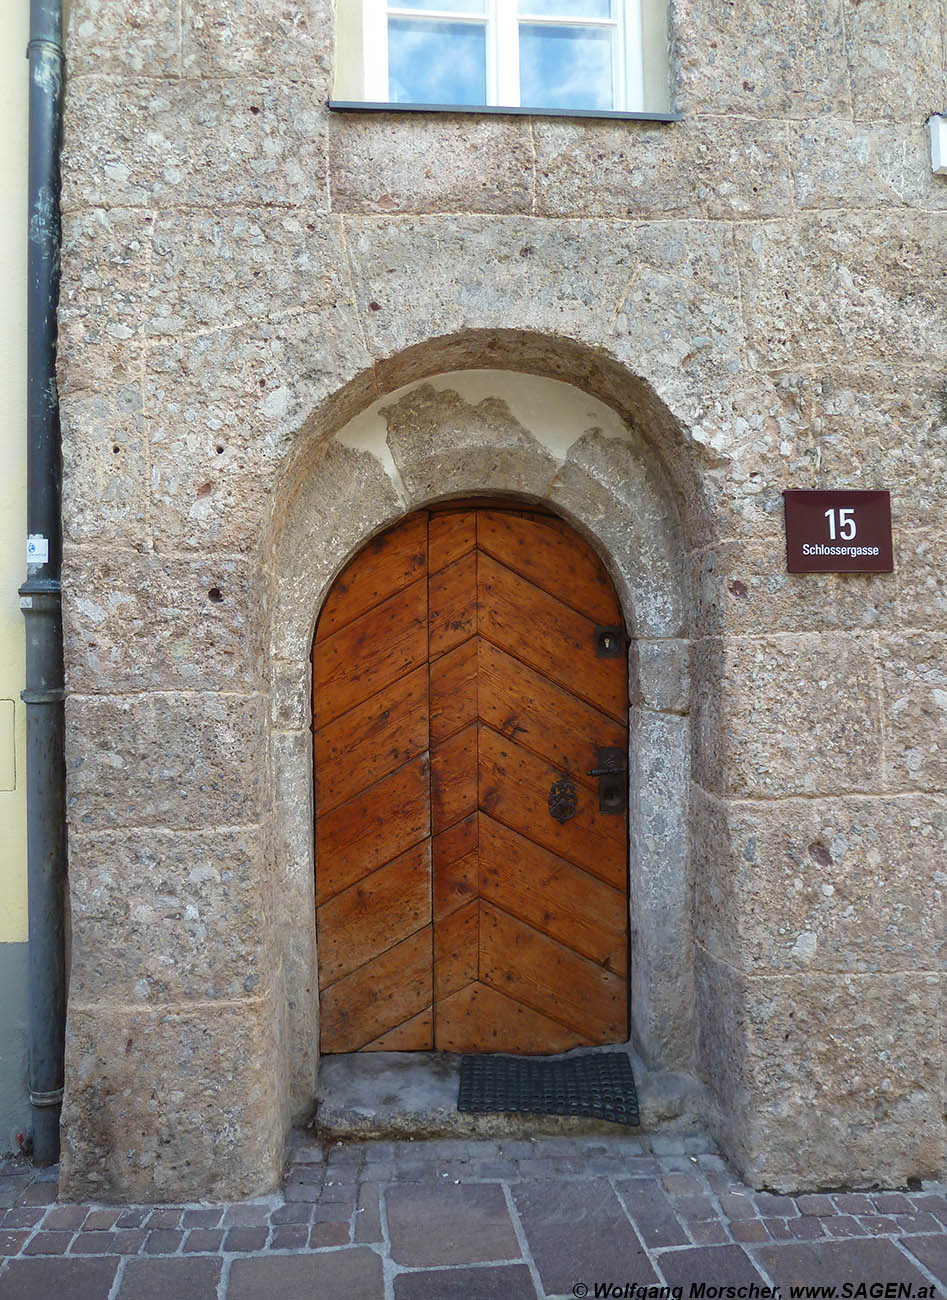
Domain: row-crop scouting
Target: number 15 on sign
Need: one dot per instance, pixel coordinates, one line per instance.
(842, 531)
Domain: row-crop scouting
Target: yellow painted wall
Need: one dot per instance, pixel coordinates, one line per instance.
(14, 87)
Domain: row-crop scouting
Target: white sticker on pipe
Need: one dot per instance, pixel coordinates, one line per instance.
(37, 549)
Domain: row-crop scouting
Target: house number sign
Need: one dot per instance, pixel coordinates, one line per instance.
(838, 532)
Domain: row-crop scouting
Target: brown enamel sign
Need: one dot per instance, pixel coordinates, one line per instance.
(838, 532)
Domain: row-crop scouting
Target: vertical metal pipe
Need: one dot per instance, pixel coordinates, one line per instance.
(40, 595)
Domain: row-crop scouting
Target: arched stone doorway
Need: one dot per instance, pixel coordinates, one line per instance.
(498, 433)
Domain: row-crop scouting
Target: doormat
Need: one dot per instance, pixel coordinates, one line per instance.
(598, 1085)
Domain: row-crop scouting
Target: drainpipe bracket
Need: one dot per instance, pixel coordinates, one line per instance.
(43, 697)
(43, 1099)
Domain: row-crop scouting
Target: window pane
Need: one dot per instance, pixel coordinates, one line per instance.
(445, 6)
(436, 62)
(568, 8)
(565, 67)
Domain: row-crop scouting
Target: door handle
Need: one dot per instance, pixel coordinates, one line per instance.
(612, 784)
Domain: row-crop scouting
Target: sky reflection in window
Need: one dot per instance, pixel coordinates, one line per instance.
(565, 67)
(431, 62)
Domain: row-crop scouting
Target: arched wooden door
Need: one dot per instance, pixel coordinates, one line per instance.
(471, 869)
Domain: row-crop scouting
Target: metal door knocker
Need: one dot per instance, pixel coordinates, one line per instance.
(562, 800)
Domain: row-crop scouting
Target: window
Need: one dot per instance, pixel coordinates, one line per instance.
(586, 56)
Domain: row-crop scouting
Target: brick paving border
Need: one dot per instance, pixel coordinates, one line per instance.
(431, 1220)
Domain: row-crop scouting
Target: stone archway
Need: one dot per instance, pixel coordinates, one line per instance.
(497, 432)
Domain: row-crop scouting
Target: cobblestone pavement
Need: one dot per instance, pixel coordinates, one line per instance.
(473, 1220)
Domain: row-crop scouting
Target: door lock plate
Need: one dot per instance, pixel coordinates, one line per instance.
(609, 642)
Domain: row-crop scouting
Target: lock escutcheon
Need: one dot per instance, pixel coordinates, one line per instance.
(611, 770)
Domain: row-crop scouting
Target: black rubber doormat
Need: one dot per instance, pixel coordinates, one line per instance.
(599, 1085)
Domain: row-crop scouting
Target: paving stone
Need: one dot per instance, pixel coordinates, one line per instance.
(367, 1216)
(693, 1208)
(711, 1233)
(377, 1171)
(39, 1193)
(933, 1204)
(329, 1234)
(22, 1216)
(247, 1216)
(776, 1207)
(652, 1215)
(578, 1232)
(877, 1225)
(892, 1203)
(163, 1241)
(128, 1242)
(92, 1243)
(203, 1239)
(449, 1224)
(699, 1144)
(308, 1174)
(10, 1191)
(333, 1275)
(715, 1265)
(683, 1185)
(512, 1282)
(75, 1279)
(48, 1243)
(11, 1242)
(735, 1206)
(805, 1228)
(920, 1223)
(338, 1192)
(201, 1218)
(676, 1164)
(246, 1239)
(745, 1230)
(130, 1218)
(815, 1205)
(298, 1212)
(65, 1216)
(164, 1218)
(932, 1252)
(291, 1236)
(101, 1220)
(843, 1225)
(778, 1229)
(310, 1192)
(331, 1213)
(496, 1168)
(833, 1263)
(162, 1279)
(854, 1202)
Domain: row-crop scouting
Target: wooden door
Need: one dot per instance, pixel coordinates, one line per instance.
(471, 894)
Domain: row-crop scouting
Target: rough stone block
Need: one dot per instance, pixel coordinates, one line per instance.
(760, 59)
(846, 885)
(176, 1101)
(840, 1076)
(914, 675)
(787, 715)
(891, 53)
(222, 410)
(258, 37)
(663, 675)
(213, 270)
(333, 510)
(611, 484)
(715, 167)
(104, 255)
(193, 760)
(291, 695)
(743, 589)
(105, 468)
(408, 162)
(850, 287)
(165, 917)
(921, 560)
(839, 164)
(202, 143)
(135, 622)
(140, 38)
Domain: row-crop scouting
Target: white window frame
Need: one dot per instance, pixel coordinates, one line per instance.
(501, 20)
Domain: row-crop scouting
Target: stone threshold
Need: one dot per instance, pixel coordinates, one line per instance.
(367, 1095)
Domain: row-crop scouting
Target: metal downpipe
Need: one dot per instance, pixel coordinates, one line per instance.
(40, 594)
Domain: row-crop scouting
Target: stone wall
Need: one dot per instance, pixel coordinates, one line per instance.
(757, 291)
